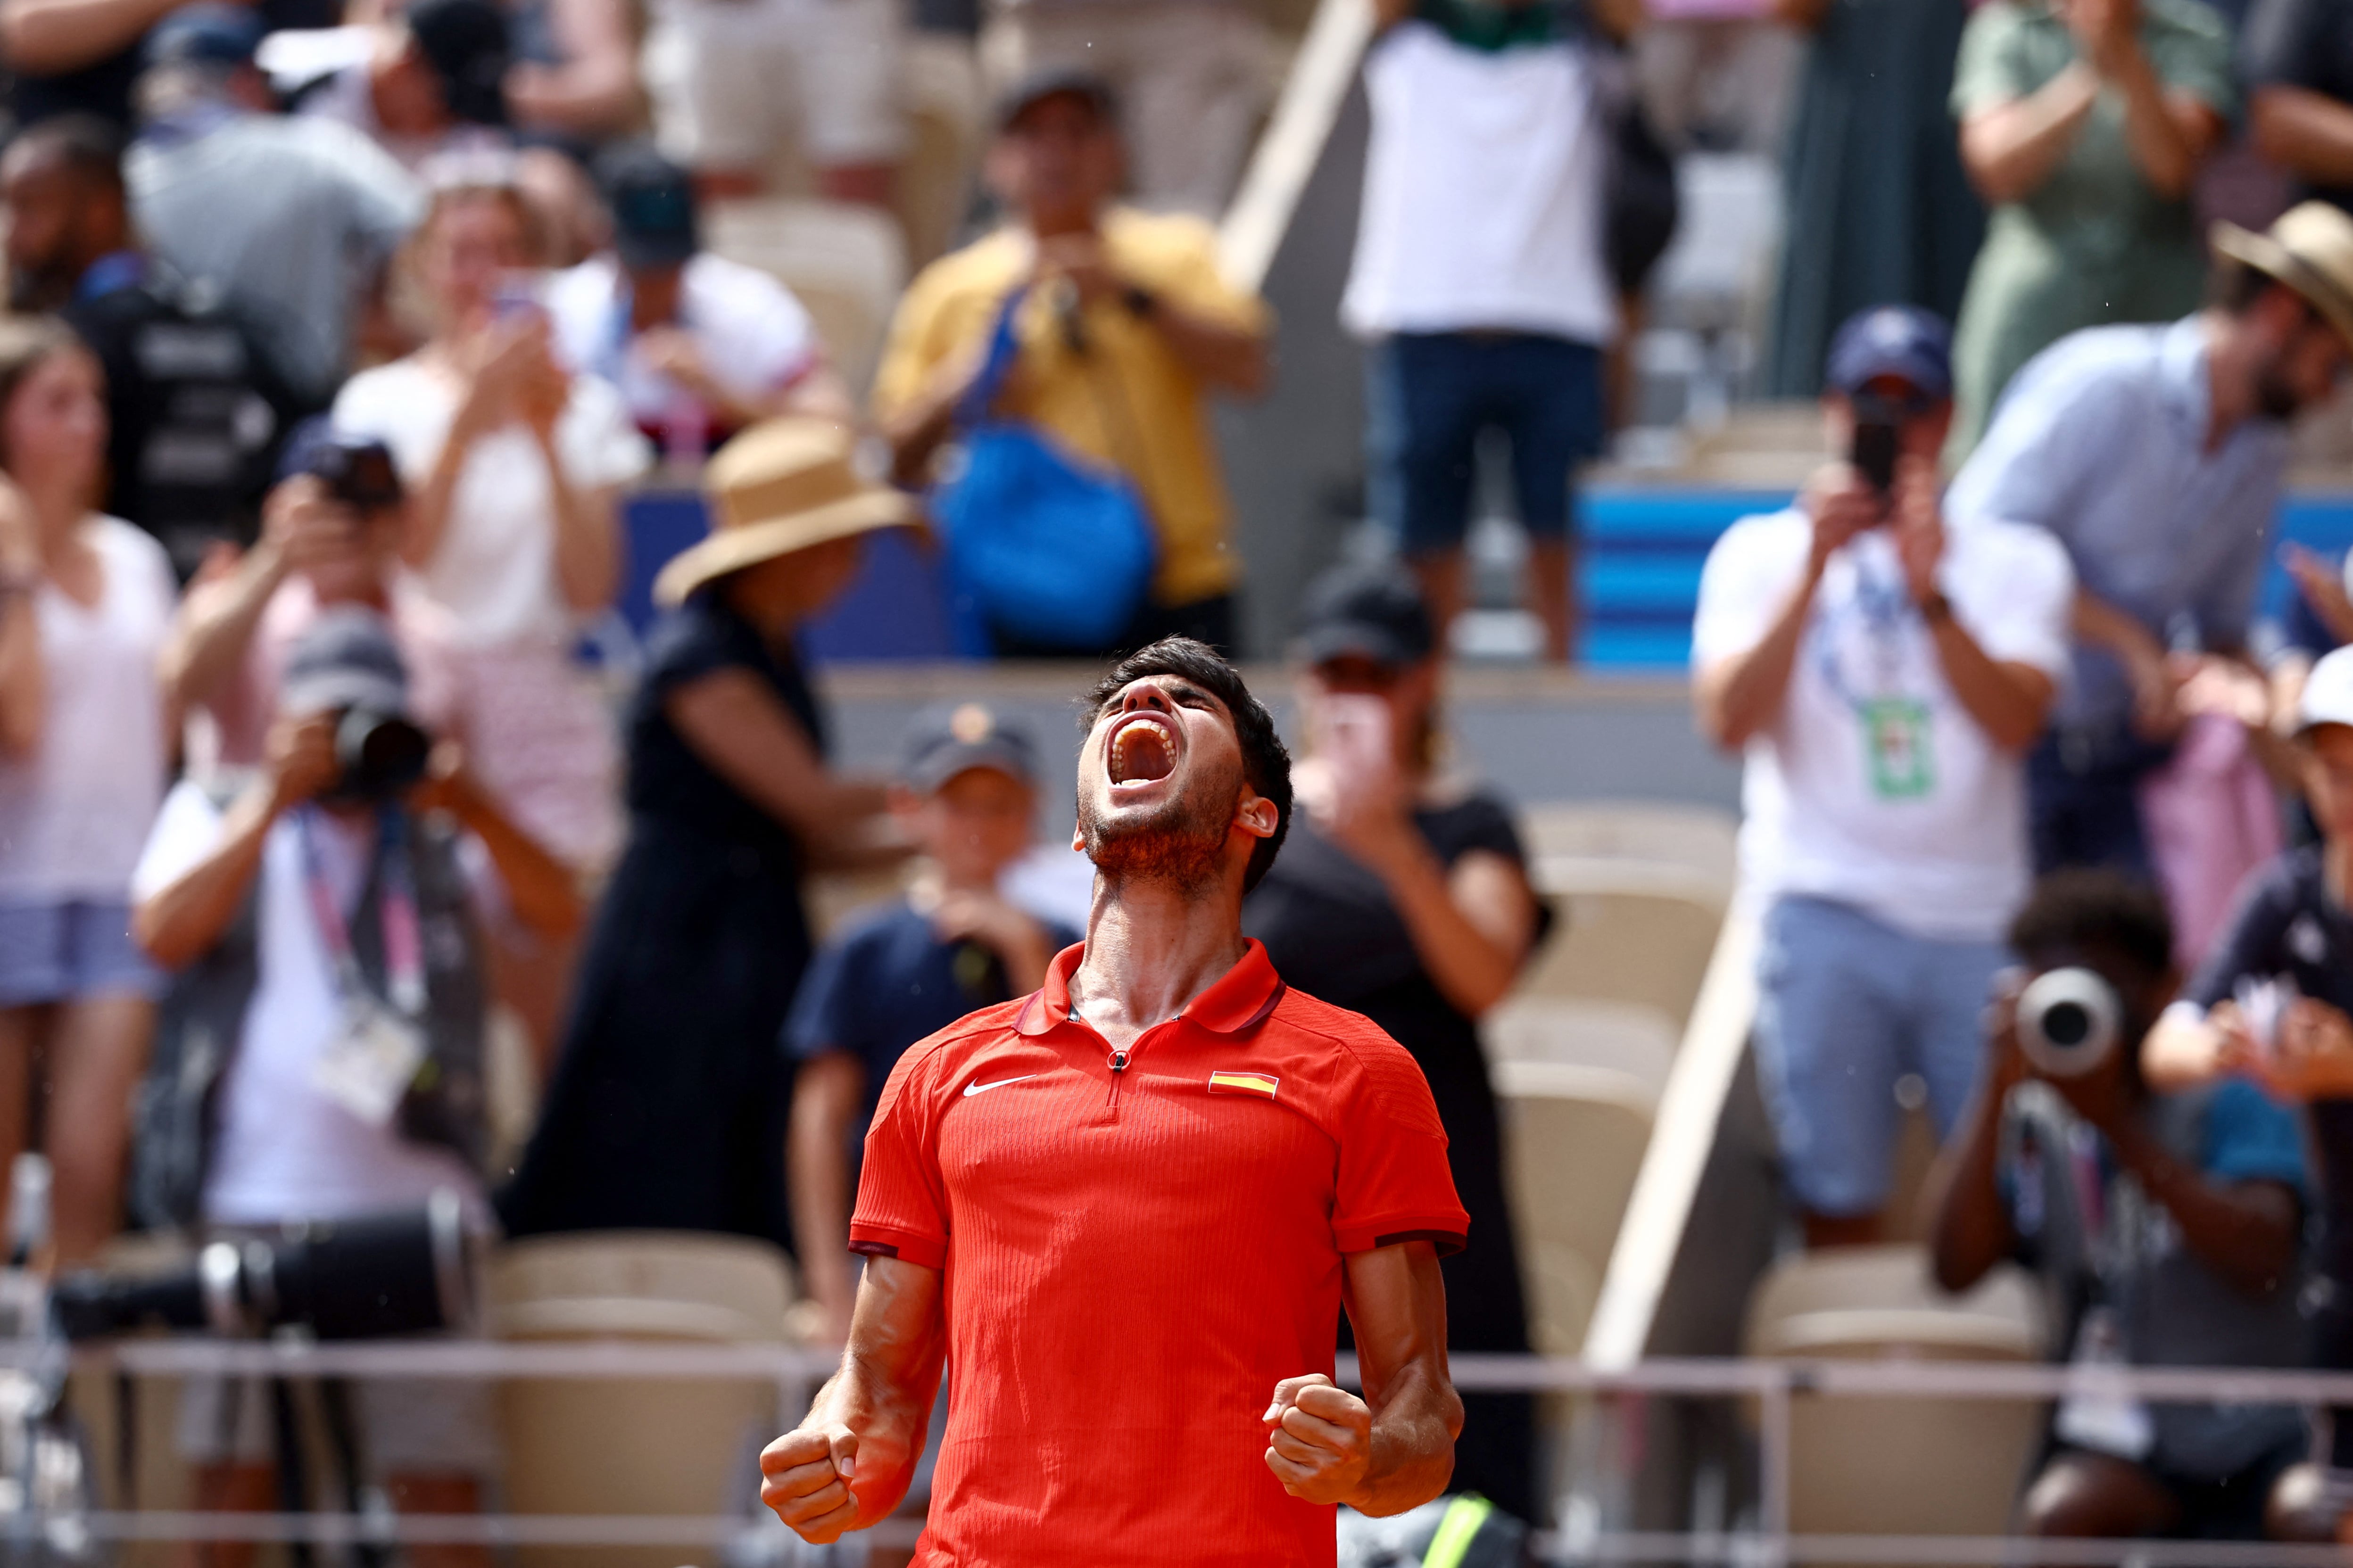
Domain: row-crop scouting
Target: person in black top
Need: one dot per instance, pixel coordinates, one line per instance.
(194, 413)
(908, 968)
(1404, 895)
(82, 56)
(2274, 1001)
(2297, 58)
(669, 1103)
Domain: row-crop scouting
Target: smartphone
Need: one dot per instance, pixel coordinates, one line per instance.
(1878, 436)
(1356, 736)
(516, 297)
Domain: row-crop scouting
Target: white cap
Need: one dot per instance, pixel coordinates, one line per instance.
(2327, 692)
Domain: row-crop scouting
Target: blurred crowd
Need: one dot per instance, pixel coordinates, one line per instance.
(334, 873)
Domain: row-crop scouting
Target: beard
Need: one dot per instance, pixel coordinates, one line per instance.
(1181, 841)
(2275, 398)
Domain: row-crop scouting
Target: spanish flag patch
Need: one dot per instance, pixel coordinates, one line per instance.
(1243, 1083)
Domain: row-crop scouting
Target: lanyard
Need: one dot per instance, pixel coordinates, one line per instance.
(404, 948)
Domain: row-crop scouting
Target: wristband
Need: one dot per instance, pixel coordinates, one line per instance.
(1936, 609)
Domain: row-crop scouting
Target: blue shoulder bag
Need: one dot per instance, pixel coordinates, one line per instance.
(1041, 548)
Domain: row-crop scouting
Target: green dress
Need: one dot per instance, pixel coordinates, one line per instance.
(2093, 244)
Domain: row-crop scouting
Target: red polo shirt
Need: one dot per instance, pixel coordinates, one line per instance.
(1136, 1254)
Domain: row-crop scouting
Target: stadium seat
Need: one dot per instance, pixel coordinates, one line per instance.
(1618, 1036)
(1896, 1465)
(847, 264)
(1574, 1137)
(580, 1445)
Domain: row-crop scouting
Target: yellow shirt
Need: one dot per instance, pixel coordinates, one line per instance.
(1127, 404)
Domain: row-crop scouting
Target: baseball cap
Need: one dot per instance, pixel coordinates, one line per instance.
(652, 203)
(1901, 341)
(1370, 612)
(206, 33)
(2327, 692)
(949, 739)
(1056, 81)
(468, 45)
(345, 659)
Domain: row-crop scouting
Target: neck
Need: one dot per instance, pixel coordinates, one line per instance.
(1062, 226)
(2230, 378)
(56, 516)
(1153, 946)
(2336, 868)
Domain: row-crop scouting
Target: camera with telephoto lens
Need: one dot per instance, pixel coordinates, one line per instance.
(359, 473)
(2070, 1021)
(379, 755)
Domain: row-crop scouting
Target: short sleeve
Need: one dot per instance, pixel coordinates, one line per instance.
(1394, 1181)
(915, 343)
(2251, 937)
(2061, 418)
(2192, 55)
(776, 342)
(1194, 278)
(2251, 1137)
(2023, 612)
(601, 445)
(386, 201)
(188, 829)
(1991, 68)
(902, 1204)
(1748, 578)
(824, 1016)
(698, 639)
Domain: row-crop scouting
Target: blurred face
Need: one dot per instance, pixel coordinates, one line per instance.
(51, 237)
(362, 571)
(2304, 360)
(1922, 422)
(1057, 165)
(475, 241)
(1161, 795)
(974, 825)
(654, 294)
(53, 431)
(778, 594)
(2329, 778)
(1408, 690)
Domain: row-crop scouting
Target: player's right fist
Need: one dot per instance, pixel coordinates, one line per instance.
(805, 1478)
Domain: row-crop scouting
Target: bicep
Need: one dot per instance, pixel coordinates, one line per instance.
(827, 1089)
(736, 726)
(1492, 892)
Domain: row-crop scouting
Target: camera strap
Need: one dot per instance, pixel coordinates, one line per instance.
(403, 946)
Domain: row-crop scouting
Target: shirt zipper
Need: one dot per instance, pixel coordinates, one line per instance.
(1121, 1058)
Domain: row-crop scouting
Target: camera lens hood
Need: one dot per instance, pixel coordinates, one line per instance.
(2069, 1020)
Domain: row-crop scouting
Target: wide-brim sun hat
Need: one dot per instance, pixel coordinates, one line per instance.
(779, 488)
(2310, 249)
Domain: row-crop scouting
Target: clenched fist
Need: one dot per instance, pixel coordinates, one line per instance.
(1319, 1439)
(805, 1478)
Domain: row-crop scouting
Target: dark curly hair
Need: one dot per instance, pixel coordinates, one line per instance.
(2097, 911)
(1266, 763)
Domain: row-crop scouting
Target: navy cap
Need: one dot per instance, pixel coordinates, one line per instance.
(468, 47)
(359, 469)
(652, 201)
(345, 659)
(1901, 341)
(206, 33)
(1367, 612)
(1056, 81)
(945, 741)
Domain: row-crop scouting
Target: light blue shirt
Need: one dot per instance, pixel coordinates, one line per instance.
(2102, 441)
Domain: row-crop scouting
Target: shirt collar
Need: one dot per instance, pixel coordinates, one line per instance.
(1238, 999)
(2182, 365)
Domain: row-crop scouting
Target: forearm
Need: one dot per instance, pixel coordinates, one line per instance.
(2010, 150)
(23, 683)
(180, 922)
(890, 1373)
(207, 647)
(2097, 621)
(2305, 132)
(2004, 702)
(818, 1171)
(1743, 694)
(1969, 1226)
(2244, 1231)
(2156, 128)
(587, 537)
(1471, 969)
(540, 888)
(1223, 356)
(916, 432)
(46, 37)
(429, 518)
(592, 93)
(1415, 1423)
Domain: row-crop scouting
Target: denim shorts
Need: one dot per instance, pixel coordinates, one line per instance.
(1432, 395)
(69, 950)
(1847, 1005)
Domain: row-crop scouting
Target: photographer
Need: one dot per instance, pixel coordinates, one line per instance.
(1886, 675)
(2164, 1225)
(322, 922)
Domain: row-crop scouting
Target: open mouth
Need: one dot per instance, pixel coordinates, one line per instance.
(1142, 752)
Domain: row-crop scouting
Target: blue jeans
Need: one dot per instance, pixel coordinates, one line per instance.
(1431, 395)
(1848, 1005)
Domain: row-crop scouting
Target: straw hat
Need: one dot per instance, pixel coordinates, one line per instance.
(777, 488)
(2310, 249)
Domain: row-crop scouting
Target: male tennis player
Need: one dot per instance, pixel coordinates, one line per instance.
(1128, 1209)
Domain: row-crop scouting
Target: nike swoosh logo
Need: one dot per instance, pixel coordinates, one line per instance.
(972, 1088)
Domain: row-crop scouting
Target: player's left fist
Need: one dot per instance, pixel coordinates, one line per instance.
(1319, 1439)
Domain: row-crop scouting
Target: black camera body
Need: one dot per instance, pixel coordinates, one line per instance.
(1878, 440)
(380, 755)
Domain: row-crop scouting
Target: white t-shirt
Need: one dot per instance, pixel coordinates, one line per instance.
(1876, 788)
(755, 338)
(1482, 192)
(286, 1151)
(75, 812)
(494, 569)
